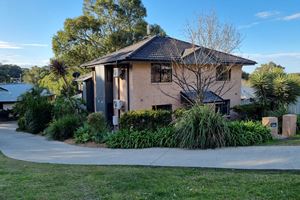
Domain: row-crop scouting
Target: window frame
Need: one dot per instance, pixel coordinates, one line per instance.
(223, 75)
(163, 107)
(161, 75)
(224, 103)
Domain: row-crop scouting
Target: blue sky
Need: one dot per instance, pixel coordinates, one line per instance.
(270, 29)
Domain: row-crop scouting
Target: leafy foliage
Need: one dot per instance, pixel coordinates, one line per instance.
(35, 74)
(83, 134)
(249, 111)
(145, 119)
(162, 137)
(98, 126)
(245, 133)
(63, 128)
(104, 27)
(94, 130)
(9, 71)
(34, 111)
(274, 88)
(64, 106)
(200, 127)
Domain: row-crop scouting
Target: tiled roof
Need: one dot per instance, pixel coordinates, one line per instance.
(209, 96)
(162, 48)
(84, 77)
(13, 91)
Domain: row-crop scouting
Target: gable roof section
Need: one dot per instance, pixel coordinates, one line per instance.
(160, 48)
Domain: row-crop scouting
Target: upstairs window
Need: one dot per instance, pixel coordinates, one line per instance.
(161, 73)
(223, 73)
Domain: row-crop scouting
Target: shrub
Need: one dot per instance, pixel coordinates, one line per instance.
(145, 119)
(163, 137)
(249, 111)
(200, 127)
(83, 134)
(21, 124)
(64, 106)
(179, 112)
(245, 133)
(38, 116)
(63, 128)
(98, 126)
(34, 111)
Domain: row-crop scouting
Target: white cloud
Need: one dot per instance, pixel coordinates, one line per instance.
(267, 14)
(35, 45)
(10, 45)
(292, 17)
(248, 25)
(7, 45)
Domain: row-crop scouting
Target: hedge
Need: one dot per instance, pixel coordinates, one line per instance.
(145, 120)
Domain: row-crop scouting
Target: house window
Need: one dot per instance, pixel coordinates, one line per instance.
(162, 107)
(223, 73)
(161, 73)
(223, 107)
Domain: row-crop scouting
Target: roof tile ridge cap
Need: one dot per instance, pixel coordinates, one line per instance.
(134, 51)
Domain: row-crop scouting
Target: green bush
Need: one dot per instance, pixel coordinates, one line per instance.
(83, 134)
(64, 106)
(179, 112)
(145, 119)
(21, 124)
(163, 137)
(249, 111)
(63, 128)
(34, 111)
(94, 130)
(245, 133)
(98, 126)
(200, 127)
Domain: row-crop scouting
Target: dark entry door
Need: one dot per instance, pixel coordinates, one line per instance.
(109, 93)
(90, 95)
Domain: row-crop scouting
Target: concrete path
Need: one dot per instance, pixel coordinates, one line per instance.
(28, 147)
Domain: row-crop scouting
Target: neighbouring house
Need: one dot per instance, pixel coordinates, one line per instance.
(247, 95)
(86, 90)
(139, 77)
(10, 93)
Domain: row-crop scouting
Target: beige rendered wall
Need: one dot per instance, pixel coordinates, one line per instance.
(144, 94)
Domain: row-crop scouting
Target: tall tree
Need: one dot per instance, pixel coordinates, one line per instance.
(35, 74)
(200, 69)
(275, 88)
(9, 72)
(105, 26)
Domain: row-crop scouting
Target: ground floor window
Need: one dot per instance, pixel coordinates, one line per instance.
(162, 107)
(223, 107)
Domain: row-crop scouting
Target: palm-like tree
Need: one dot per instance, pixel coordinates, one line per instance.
(275, 88)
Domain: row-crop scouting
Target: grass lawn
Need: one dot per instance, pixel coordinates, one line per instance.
(293, 141)
(25, 180)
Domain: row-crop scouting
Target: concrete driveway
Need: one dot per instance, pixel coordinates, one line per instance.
(28, 147)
